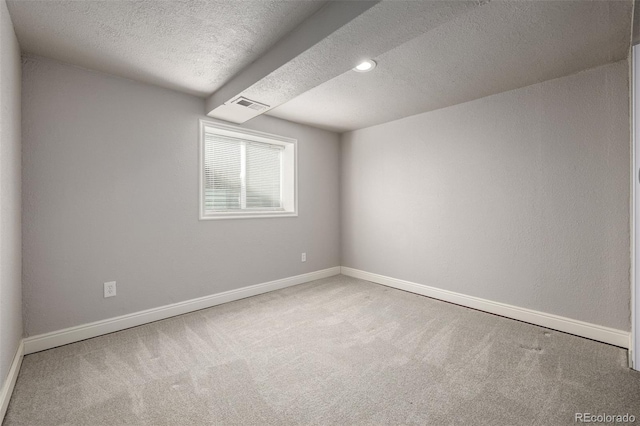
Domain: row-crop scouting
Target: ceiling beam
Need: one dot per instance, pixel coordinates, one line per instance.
(331, 17)
(326, 45)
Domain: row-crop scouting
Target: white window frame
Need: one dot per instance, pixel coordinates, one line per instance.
(289, 172)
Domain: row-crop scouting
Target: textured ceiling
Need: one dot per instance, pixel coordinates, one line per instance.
(192, 46)
(328, 44)
(430, 54)
(379, 29)
(499, 46)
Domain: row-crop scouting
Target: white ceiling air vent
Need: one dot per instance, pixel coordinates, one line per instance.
(238, 110)
(249, 104)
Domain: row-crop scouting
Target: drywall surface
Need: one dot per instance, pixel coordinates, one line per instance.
(496, 47)
(193, 46)
(111, 194)
(520, 197)
(10, 198)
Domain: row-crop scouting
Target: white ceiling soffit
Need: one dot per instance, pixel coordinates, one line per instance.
(191, 46)
(326, 45)
(500, 46)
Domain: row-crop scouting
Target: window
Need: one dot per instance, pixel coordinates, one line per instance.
(244, 173)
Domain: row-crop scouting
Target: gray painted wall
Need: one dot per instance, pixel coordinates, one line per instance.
(10, 195)
(520, 197)
(111, 193)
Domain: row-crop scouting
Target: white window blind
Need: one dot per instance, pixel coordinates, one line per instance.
(263, 176)
(241, 175)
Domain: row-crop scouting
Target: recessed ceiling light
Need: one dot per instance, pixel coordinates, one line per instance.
(365, 66)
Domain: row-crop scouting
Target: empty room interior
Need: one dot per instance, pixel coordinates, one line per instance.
(271, 212)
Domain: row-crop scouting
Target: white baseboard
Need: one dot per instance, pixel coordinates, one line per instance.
(81, 332)
(10, 381)
(74, 334)
(555, 322)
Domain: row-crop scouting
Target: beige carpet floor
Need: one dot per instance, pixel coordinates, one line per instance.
(338, 351)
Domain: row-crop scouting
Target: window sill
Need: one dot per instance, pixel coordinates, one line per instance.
(243, 215)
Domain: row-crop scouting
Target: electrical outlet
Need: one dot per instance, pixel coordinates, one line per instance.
(110, 289)
(304, 257)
